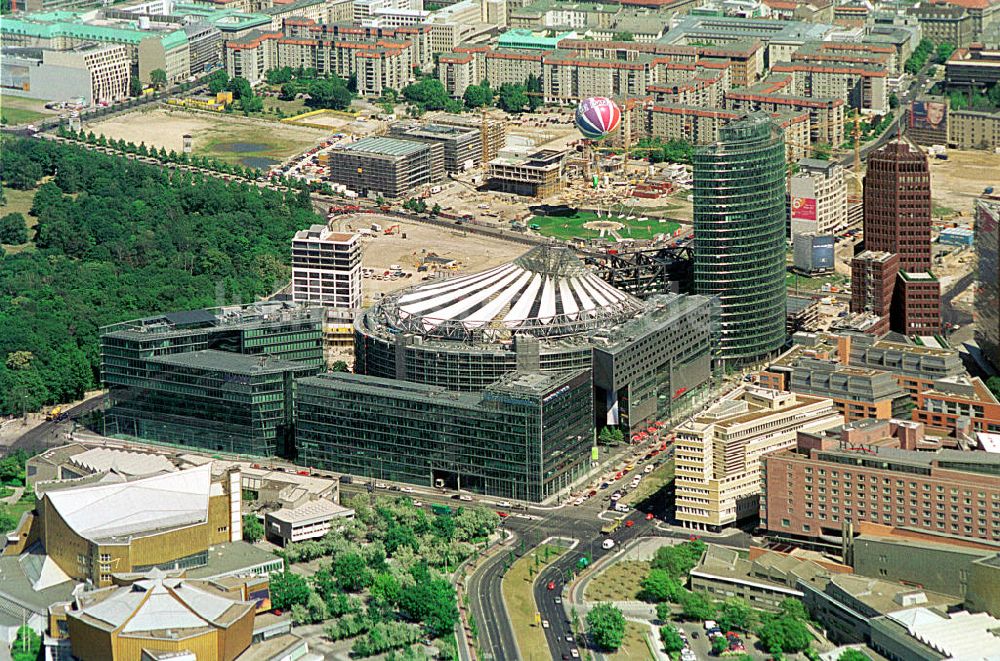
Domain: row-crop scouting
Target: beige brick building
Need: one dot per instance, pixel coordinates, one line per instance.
(718, 474)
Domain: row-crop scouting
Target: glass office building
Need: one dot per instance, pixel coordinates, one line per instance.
(219, 379)
(527, 436)
(739, 229)
(215, 400)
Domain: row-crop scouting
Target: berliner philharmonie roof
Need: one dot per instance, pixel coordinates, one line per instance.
(547, 292)
(119, 511)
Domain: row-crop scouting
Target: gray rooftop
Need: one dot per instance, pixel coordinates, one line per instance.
(232, 558)
(385, 146)
(229, 362)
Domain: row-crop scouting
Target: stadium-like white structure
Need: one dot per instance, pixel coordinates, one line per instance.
(547, 311)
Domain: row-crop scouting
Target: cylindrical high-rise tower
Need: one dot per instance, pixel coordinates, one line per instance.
(739, 235)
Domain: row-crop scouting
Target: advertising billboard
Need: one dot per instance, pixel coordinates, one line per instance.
(804, 208)
(928, 115)
(822, 253)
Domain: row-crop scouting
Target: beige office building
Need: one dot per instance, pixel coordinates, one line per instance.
(718, 452)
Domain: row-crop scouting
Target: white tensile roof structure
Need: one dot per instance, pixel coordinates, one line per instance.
(547, 292)
(107, 511)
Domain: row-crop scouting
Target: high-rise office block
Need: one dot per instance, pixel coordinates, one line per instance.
(988, 282)
(326, 268)
(897, 205)
(739, 226)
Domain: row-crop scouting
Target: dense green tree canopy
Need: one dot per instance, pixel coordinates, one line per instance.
(607, 626)
(13, 229)
(115, 240)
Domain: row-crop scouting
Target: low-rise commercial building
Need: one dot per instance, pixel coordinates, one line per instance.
(326, 268)
(858, 392)
(974, 129)
(312, 520)
(940, 562)
(95, 73)
(830, 482)
(844, 603)
(387, 167)
(959, 404)
(718, 452)
(527, 436)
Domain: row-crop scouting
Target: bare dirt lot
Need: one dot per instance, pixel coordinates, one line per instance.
(226, 137)
(474, 252)
(956, 182)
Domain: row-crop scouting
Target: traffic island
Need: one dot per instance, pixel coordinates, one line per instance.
(518, 595)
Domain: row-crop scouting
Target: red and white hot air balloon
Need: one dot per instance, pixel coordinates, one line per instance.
(597, 116)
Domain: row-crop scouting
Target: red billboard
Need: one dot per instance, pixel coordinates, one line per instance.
(804, 208)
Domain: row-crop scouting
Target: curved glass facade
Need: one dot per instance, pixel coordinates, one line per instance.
(739, 229)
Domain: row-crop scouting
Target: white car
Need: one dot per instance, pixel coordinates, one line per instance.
(574, 654)
(608, 544)
(505, 503)
(545, 624)
(467, 499)
(417, 503)
(648, 469)
(406, 489)
(381, 485)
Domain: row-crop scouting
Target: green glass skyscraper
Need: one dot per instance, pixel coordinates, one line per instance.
(739, 235)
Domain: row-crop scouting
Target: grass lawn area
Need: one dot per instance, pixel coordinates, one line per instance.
(241, 142)
(650, 484)
(806, 284)
(520, 600)
(634, 646)
(19, 201)
(22, 110)
(26, 504)
(941, 210)
(571, 227)
(618, 582)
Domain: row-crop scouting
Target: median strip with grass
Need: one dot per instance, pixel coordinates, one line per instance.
(518, 595)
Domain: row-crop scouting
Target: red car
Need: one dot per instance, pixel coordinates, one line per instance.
(629, 523)
(650, 517)
(502, 515)
(551, 585)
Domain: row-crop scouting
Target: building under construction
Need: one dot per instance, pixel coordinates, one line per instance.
(535, 174)
(462, 145)
(389, 167)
